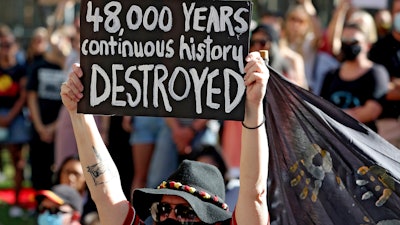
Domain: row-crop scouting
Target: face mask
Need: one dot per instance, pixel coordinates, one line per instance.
(396, 23)
(350, 51)
(49, 219)
(170, 221)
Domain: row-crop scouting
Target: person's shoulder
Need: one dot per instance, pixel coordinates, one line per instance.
(17, 70)
(21, 65)
(379, 67)
(35, 65)
(132, 218)
(379, 71)
(388, 38)
(332, 73)
(290, 56)
(229, 222)
(21, 69)
(281, 63)
(326, 57)
(326, 62)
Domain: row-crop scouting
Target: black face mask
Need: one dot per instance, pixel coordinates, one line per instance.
(350, 51)
(170, 221)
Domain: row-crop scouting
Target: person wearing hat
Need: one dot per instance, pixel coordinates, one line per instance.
(62, 205)
(194, 193)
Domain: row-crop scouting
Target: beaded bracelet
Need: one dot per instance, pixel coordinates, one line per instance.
(253, 128)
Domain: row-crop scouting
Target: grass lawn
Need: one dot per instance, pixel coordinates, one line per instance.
(26, 219)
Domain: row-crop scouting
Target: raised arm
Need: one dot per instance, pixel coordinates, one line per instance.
(252, 207)
(335, 26)
(100, 172)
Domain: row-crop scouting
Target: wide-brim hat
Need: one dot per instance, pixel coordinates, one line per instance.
(200, 184)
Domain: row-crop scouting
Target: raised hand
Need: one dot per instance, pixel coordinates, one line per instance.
(71, 90)
(256, 78)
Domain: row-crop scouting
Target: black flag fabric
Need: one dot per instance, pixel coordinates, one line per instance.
(325, 167)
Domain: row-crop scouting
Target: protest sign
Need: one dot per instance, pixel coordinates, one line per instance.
(164, 58)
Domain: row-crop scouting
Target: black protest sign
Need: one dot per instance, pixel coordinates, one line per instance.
(164, 58)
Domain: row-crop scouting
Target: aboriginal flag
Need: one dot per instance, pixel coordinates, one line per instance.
(325, 167)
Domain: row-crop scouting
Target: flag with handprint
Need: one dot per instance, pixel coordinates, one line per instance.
(325, 167)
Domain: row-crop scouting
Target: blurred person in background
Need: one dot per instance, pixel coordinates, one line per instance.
(359, 84)
(64, 140)
(144, 132)
(383, 22)
(303, 34)
(276, 20)
(345, 13)
(38, 45)
(14, 121)
(117, 139)
(60, 205)
(265, 37)
(386, 51)
(71, 173)
(44, 101)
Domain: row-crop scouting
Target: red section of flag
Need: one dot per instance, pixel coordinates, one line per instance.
(26, 197)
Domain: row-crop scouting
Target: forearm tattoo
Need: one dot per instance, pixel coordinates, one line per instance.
(101, 172)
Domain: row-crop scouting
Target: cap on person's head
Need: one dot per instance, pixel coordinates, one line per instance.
(200, 184)
(63, 195)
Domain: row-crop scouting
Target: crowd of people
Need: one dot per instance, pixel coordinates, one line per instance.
(353, 62)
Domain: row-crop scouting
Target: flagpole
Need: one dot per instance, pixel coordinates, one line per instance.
(264, 54)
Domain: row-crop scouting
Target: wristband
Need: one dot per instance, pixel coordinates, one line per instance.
(253, 128)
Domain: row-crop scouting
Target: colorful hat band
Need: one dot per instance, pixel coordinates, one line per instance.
(204, 196)
(52, 196)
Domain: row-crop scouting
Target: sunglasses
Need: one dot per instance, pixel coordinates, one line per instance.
(51, 210)
(182, 212)
(262, 42)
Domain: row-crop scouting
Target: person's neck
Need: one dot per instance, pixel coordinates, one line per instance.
(55, 58)
(361, 62)
(8, 62)
(352, 70)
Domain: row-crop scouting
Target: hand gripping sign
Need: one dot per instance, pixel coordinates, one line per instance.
(164, 58)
